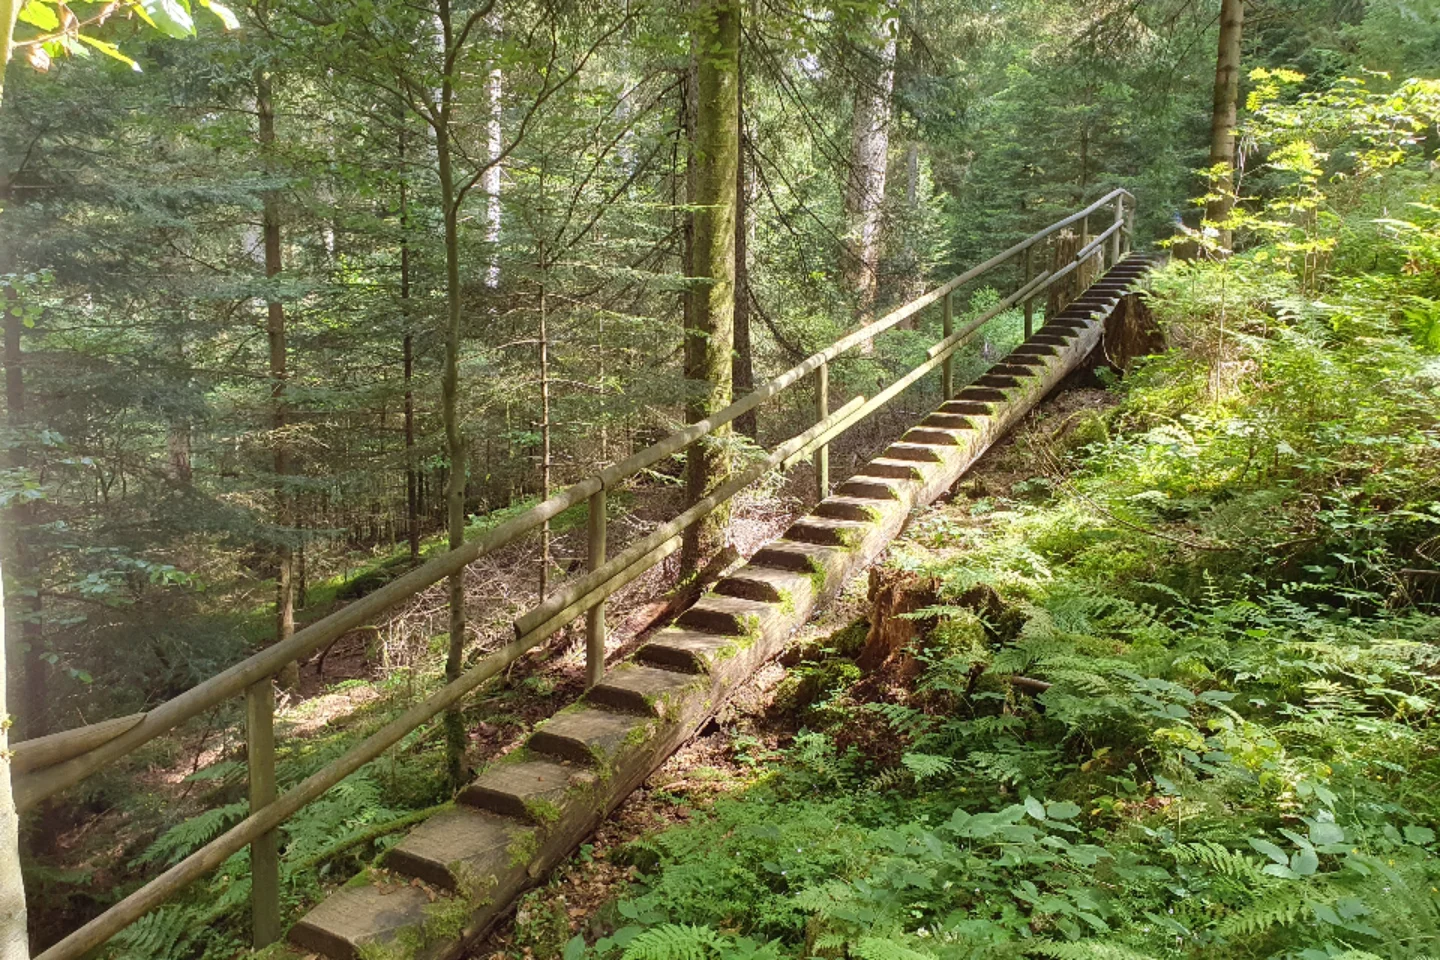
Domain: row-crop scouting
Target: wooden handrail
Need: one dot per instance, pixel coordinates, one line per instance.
(85, 750)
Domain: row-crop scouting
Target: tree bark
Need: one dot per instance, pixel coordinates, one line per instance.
(1222, 117)
(9, 11)
(412, 481)
(449, 388)
(743, 367)
(709, 336)
(494, 85)
(865, 187)
(14, 942)
(20, 519)
(289, 678)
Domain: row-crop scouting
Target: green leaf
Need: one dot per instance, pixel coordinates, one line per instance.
(170, 17)
(1305, 863)
(110, 50)
(1035, 808)
(225, 14)
(575, 948)
(1419, 835)
(1062, 810)
(1270, 850)
(1323, 833)
(39, 15)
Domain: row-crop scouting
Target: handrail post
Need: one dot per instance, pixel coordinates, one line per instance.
(595, 616)
(1129, 230)
(264, 850)
(1119, 229)
(822, 452)
(1030, 300)
(947, 326)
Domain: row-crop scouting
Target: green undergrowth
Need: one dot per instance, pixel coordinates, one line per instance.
(1227, 582)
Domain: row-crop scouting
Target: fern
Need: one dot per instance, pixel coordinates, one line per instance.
(1282, 908)
(675, 941)
(927, 765)
(159, 935)
(874, 948)
(1086, 950)
(186, 837)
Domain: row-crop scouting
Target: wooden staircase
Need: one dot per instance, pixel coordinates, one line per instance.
(445, 884)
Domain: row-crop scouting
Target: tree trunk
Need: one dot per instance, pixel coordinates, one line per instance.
(9, 11)
(743, 368)
(865, 187)
(1222, 118)
(14, 942)
(20, 520)
(709, 338)
(412, 481)
(449, 388)
(491, 181)
(289, 677)
(544, 410)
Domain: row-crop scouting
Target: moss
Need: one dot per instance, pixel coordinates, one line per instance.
(542, 811)
(522, 849)
(405, 945)
(850, 538)
(750, 632)
(362, 879)
(817, 575)
(787, 603)
(872, 514)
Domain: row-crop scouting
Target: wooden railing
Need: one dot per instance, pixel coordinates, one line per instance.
(51, 764)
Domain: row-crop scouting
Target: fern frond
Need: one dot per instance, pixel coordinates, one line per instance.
(874, 948)
(1281, 908)
(675, 941)
(1085, 950)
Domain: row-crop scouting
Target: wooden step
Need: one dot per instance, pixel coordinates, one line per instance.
(892, 469)
(831, 533)
(531, 789)
(967, 408)
(1018, 359)
(982, 394)
(765, 584)
(916, 452)
(641, 689)
(946, 421)
(997, 381)
(1007, 369)
(588, 735)
(693, 651)
(858, 509)
(729, 616)
(361, 915)
(932, 435)
(458, 844)
(872, 488)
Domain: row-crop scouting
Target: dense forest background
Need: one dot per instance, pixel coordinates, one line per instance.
(227, 265)
(272, 291)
